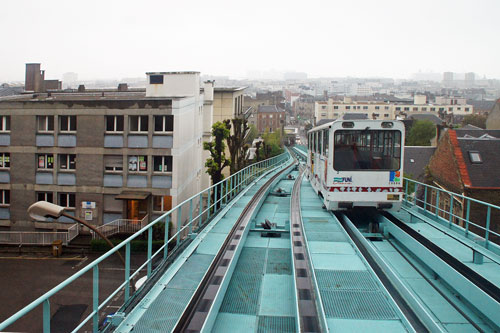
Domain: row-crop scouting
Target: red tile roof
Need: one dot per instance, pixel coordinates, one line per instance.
(462, 167)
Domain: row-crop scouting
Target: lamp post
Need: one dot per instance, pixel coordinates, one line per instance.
(42, 209)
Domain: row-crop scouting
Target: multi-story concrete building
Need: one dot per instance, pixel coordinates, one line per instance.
(103, 155)
(333, 109)
(228, 103)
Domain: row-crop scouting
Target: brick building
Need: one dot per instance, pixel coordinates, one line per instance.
(466, 162)
(270, 118)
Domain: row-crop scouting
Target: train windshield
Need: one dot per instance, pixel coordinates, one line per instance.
(367, 150)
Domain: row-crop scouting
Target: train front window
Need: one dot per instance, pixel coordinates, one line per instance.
(367, 150)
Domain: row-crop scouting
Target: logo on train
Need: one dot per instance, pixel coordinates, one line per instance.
(342, 180)
(394, 177)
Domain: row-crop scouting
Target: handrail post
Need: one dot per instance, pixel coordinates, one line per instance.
(200, 211)
(167, 224)
(406, 192)
(150, 249)
(95, 299)
(215, 199)
(451, 210)
(46, 316)
(127, 271)
(190, 216)
(487, 231)
(208, 203)
(467, 218)
(179, 223)
(425, 198)
(437, 203)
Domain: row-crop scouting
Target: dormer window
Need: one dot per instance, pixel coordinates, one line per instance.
(156, 79)
(475, 157)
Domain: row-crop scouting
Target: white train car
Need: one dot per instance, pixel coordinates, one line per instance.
(357, 163)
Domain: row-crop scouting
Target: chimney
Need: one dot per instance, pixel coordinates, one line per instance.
(81, 88)
(208, 88)
(122, 87)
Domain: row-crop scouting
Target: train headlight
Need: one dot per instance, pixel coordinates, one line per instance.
(387, 124)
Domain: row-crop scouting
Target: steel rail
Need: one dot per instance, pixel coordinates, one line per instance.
(199, 305)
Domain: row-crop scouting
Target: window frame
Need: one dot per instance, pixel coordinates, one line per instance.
(139, 123)
(137, 170)
(5, 124)
(163, 124)
(46, 128)
(45, 196)
(68, 200)
(162, 203)
(2, 161)
(45, 167)
(4, 198)
(115, 124)
(163, 164)
(69, 122)
(66, 157)
(108, 158)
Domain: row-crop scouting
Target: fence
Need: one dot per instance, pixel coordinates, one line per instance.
(120, 226)
(38, 238)
(216, 197)
(471, 217)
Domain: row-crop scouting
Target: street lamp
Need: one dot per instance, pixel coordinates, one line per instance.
(42, 209)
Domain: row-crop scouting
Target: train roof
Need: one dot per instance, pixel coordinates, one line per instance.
(329, 124)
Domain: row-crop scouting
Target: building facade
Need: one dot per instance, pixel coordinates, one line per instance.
(442, 106)
(270, 118)
(102, 155)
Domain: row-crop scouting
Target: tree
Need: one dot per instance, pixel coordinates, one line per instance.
(271, 146)
(421, 133)
(475, 120)
(218, 161)
(252, 134)
(236, 143)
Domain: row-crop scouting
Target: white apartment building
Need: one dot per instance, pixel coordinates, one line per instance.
(384, 110)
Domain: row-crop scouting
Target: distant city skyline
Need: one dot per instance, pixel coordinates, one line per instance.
(118, 39)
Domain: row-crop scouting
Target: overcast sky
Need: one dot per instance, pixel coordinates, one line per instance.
(363, 38)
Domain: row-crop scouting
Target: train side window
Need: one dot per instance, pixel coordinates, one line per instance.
(320, 142)
(325, 143)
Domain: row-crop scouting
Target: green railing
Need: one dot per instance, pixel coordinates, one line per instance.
(204, 204)
(471, 217)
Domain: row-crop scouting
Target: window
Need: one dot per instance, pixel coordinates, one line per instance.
(113, 163)
(4, 123)
(323, 107)
(114, 123)
(323, 115)
(424, 109)
(386, 115)
(45, 196)
(4, 160)
(386, 108)
(67, 162)
(138, 123)
(365, 107)
(335, 107)
(67, 200)
(441, 109)
(162, 203)
(466, 109)
(433, 109)
(45, 161)
(162, 163)
(45, 123)
(367, 150)
(398, 108)
(4, 197)
(138, 163)
(415, 109)
(407, 109)
(475, 157)
(164, 123)
(347, 107)
(156, 79)
(376, 107)
(450, 109)
(67, 124)
(325, 143)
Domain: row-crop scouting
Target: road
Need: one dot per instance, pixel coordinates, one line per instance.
(25, 278)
